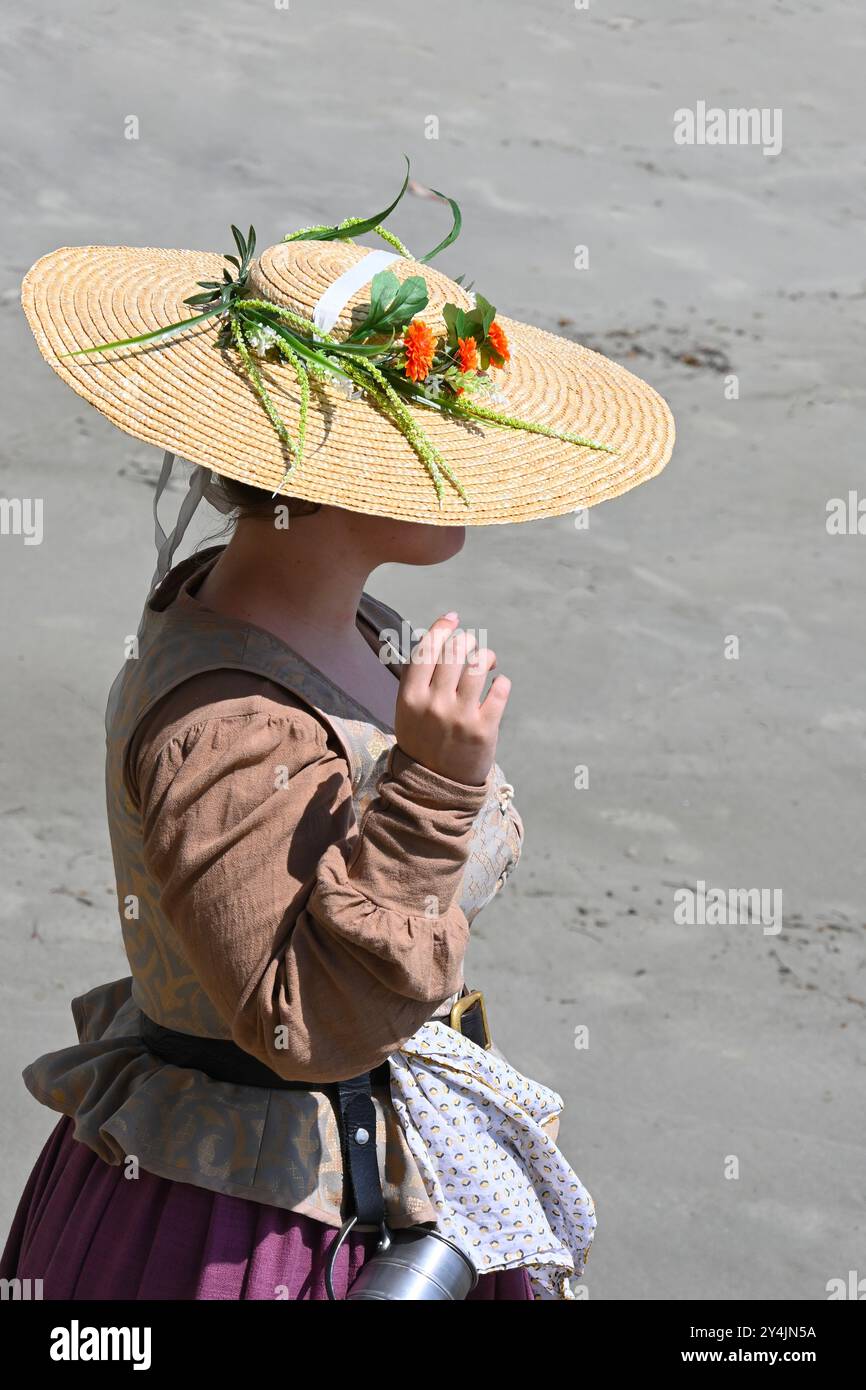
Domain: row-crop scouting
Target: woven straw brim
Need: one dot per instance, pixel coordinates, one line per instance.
(187, 395)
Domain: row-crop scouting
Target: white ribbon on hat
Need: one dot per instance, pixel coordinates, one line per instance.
(327, 310)
(335, 298)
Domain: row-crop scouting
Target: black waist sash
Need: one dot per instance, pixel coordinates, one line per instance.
(223, 1060)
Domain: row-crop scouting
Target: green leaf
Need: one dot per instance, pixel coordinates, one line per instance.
(383, 288)
(455, 322)
(470, 382)
(357, 228)
(301, 345)
(239, 242)
(488, 314)
(392, 304)
(455, 228)
(469, 323)
(371, 350)
(166, 332)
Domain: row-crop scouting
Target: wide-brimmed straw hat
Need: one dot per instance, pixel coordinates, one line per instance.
(238, 406)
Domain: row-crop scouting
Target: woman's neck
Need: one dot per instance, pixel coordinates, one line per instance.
(294, 576)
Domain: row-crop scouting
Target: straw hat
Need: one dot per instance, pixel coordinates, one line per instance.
(191, 396)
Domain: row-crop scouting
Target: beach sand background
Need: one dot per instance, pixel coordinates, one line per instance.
(555, 131)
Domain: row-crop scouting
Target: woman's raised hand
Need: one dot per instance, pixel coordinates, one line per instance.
(441, 720)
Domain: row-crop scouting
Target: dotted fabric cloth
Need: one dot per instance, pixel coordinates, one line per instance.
(502, 1190)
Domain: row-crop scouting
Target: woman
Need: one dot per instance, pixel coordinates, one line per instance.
(304, 807)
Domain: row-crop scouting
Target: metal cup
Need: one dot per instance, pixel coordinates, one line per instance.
(419, 1265)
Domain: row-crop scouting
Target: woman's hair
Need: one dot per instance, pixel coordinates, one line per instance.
(246, 500)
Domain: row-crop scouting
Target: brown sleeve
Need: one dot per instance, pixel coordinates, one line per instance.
(323, 948)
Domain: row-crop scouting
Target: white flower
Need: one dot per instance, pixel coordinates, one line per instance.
(350, 390)
(261, 339)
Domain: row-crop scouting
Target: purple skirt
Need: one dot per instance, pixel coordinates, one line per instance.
(88, 1232)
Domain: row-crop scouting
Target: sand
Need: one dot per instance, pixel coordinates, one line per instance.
(707, 1043)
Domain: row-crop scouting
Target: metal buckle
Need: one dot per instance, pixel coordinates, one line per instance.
(464, 1003)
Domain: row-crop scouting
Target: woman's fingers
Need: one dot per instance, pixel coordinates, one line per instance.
(453, 655)
(425, 655)
(441, 719)
(493, 705)
(479, 662)
(450, 661)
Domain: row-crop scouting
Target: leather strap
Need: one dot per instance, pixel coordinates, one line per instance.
(472, 1025)
(223, 1060)
(358, 1134)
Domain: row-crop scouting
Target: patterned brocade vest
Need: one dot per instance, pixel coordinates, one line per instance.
(278, 1147)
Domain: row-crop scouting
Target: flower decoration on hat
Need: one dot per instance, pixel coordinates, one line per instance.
(392, 358)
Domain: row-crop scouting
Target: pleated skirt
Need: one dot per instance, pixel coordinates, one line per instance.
(89, 1232)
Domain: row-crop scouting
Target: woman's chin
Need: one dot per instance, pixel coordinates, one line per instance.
(438, 543)
(384, 540)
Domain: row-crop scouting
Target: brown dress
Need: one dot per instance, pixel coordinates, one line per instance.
(287, 877)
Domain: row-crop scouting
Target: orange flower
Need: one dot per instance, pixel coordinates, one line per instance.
(498, 341)
(420, 348)
(467, 354)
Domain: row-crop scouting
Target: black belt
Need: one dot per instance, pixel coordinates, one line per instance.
(223, 1060)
